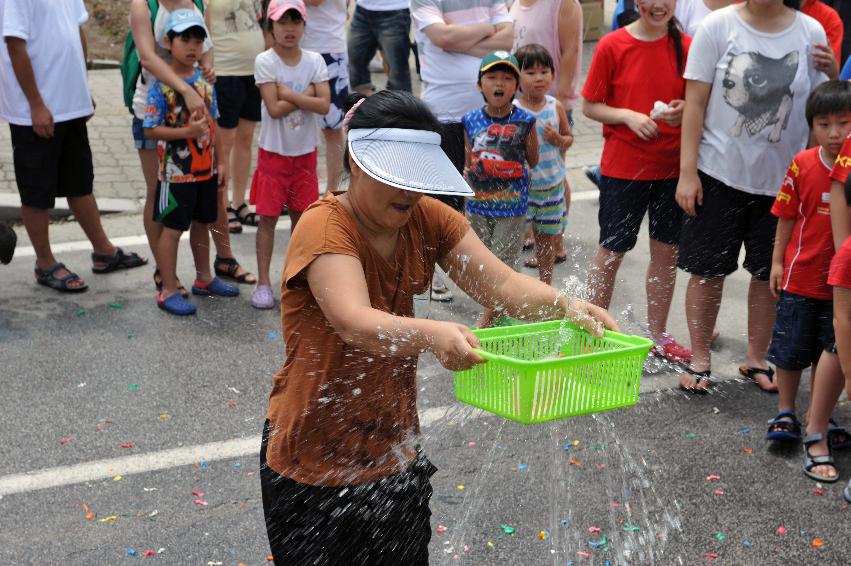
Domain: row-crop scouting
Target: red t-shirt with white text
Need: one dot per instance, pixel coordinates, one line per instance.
(805, 198)
(842, 165)
(630, 73)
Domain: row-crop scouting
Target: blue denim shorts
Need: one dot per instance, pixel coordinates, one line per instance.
(139, 139)
(803, 329)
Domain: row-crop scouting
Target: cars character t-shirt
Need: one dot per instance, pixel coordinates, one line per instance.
(499, 170)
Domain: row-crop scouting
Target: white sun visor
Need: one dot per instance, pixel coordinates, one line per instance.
(406, 159)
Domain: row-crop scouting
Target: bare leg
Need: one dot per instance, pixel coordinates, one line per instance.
(167, 245)
(333, 158)
(761, 311)
(219, 228)
(199, 241)
(661, 278)
(703, 300)
(601, 276)
(265, 247)
(86, 212)
(240, 160)
(827, 387)
(545, 251)
(150, 165)
(294, 218)
(787, 384)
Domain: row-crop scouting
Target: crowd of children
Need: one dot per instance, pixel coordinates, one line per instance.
(700, 150)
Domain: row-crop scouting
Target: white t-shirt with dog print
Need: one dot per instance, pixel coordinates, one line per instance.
(755, 121)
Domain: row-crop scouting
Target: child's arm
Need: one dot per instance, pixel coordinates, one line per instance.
(275, 106)
(840, 222)
(642, 125)
(532, 154)
(319, 103)
(842, 329)
(781, 239)
(199, 126)
(563, 138)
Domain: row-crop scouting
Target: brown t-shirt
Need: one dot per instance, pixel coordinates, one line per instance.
(339, 415)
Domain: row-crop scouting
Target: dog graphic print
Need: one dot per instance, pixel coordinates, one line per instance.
(759, 89)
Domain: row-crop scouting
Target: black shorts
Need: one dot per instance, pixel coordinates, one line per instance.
(380, 523)
(803, 329)
(238, 98)
(711, 241)
(178, 204)
(623, 204)
(452, 144)
(57, 167)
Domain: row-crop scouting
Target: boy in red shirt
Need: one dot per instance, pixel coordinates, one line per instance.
(827, 377)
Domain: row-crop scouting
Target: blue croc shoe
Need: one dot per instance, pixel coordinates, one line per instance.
(175, 304)
(215, 287)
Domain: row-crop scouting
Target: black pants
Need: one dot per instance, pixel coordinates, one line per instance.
(380, 523)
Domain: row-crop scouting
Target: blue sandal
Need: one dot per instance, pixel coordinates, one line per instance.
(785, 427)
(175, 304)
(48, 278)
(837, 436)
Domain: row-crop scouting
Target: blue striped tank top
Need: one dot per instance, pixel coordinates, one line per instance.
(551, 169)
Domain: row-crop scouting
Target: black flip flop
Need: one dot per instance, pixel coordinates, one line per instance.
(751, 372)
(698, 377)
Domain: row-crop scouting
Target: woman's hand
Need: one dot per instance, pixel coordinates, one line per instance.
(194, 103)
(825, 61)
(689, 193)
(452, 345)
(673, 116)
(641, 125)
(589, 317)
(199, 125)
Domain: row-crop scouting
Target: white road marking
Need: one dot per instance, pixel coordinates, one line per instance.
(142, 240)
(165, 459)
(125, 241)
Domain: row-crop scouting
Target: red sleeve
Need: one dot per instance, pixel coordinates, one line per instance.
(599, 80)
(787, 201)
(843, 162)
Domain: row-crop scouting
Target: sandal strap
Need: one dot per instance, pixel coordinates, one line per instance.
(812, 438)
(50, 270)
(778, 418)
(813, 461)
(230, 262)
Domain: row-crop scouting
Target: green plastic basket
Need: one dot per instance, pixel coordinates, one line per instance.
(552, 370)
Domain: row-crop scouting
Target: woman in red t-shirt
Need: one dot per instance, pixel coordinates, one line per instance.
(640, 162)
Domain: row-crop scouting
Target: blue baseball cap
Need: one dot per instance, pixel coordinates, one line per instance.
(181, 20)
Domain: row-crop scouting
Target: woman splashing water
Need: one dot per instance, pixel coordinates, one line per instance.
(342, 474)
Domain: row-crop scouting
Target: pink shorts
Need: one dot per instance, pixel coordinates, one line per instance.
(281, 180)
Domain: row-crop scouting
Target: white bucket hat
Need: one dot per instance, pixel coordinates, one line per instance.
(406, 159)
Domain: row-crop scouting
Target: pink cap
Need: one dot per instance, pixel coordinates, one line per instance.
(277, 9)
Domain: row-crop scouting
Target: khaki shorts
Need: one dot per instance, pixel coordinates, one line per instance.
(503, 235)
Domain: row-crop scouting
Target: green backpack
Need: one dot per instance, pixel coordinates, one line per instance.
(131, 67)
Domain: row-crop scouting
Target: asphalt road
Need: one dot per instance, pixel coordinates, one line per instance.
(107, 399)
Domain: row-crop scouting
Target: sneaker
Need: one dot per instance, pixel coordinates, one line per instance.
(593, 174)
(175, 304)
(262, 297)
(439, 290)
(671, 350)
(215, 287)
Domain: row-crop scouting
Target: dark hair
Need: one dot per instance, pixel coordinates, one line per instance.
(848, 191)
(794, 4)
(390, 109)
(195, 32)
(830, 97)
(675, 32)
(534, 54)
